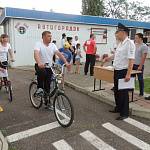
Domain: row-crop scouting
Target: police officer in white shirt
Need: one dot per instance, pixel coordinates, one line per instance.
(43, 54)
(123, 64)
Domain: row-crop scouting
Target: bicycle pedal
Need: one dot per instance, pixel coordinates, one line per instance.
(63, 109)
(39, 95)
(49, 107)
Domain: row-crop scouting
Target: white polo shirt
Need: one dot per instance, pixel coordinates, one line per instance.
(124, 52)
(46, 52)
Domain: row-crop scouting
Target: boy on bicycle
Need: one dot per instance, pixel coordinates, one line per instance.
(5, 49)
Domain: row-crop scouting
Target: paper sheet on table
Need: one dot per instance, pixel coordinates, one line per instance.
(126, 85)
(109, 67)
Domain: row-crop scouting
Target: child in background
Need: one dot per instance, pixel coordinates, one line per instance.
(78, 58)
(68, 55)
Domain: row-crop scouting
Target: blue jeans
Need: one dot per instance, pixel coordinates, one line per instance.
(140, 79)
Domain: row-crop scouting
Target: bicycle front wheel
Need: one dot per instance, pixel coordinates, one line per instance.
(36, 100)
(63, 110)
(52, 87)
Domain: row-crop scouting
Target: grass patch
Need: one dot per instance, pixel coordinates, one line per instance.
(4, 132)
(146, 85)
(12, 148)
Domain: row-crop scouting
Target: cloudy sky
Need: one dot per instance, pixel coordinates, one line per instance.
(62, 6)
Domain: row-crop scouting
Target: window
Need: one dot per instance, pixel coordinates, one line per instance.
(100, 34)
(132, 33)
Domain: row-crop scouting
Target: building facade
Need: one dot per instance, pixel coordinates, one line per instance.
(26, 26)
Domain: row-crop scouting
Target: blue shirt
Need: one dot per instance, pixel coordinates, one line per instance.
(67, 54)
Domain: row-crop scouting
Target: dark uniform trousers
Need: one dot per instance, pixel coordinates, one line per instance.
(121, 96)
(90, 60)
(43, 78)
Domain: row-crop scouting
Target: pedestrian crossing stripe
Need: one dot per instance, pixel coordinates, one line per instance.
(30, 132)
(138, 124)
(62, 145)
(87, 135)
(1, 109)
(95, 141)
(126, 136)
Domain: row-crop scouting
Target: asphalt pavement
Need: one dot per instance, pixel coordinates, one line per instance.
(93, 128)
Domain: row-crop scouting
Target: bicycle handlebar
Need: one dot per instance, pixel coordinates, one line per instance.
(55, 65)
(3, 64)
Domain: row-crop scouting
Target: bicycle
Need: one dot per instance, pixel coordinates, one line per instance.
(63, 108)
(6, 83)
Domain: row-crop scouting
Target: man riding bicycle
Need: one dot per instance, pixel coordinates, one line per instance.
(43, 54)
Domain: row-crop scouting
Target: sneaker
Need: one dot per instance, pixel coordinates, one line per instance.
(49, 107)
(147, 98)
(39, 92)
(45, 101)
(112, 89)
(141, 95)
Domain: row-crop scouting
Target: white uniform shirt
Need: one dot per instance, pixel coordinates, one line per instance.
(46, 52)
(4, 52)
(124, 52)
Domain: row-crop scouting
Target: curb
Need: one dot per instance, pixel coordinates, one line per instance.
(24, 69)
(135, 110)
(102, 98)
(3, 142)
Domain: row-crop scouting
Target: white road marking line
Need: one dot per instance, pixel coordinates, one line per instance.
(138, 124)
(126, 136)
(62, 114)
(30, 132)
(62, 145)
(95, 141)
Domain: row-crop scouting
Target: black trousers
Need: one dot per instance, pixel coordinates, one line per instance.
(121, 96)
(90, 60)
(4, 65)
(74, 55)
(43, 78)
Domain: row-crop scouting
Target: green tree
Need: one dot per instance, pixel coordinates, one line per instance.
(93, 7)
(116, 8)
(123, 9)
(138, 11)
